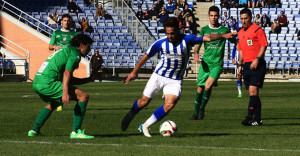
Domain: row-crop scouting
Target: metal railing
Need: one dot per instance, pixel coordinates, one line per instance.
(23, 16)
(140, 33)
(22, 59)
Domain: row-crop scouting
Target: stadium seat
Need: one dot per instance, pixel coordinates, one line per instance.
(283, 50)
(282, 42)
(276, 57)
(284, 57)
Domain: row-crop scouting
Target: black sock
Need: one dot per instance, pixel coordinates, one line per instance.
(257, 109)
(251, 106)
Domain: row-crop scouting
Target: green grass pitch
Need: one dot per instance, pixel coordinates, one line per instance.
(220, 133)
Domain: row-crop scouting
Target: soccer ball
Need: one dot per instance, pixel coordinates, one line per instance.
(168, 128)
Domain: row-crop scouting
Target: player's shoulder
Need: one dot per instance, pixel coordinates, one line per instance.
(205, 28)
(255, 27)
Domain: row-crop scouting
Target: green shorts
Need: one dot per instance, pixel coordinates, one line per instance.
(50, 93)
(207, 71)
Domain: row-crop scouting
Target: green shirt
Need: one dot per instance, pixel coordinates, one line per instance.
(53, 68)
(62, 37)
(214, 50)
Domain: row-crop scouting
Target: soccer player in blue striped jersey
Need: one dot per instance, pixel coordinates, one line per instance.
(168, 75)
(235, 57)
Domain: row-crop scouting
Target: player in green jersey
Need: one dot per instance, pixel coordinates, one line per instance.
(63, 36)
(212, 62)
(53, 83)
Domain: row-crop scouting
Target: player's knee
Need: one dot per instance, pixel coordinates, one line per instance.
(207, 87)
(84, 97)
(168, 107)
(252, 92)
(143, 102)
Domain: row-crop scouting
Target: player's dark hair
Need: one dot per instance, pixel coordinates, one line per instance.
(67, 15)
(246, 11)
(81, 38)
(214, 8)
(172, 22)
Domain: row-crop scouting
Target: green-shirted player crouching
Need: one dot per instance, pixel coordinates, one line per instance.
(212, 63)
(53, 82)
(62, 37)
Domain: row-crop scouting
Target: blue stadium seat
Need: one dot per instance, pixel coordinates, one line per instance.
(283, 50)
(284, 57)
(293, 57)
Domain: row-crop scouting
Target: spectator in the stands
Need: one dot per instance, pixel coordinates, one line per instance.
(265, 21)
(147, 15)
(270, 4)
(187, 10)
(186, 26)
(298, 34)
(277, 3)
(177, 12)
(85, 25)
(170, 7)
(225, 4)
(275, 27)
(51, 21)
(251, 3)
(257, 20)
(233, 30)
(140, 14)
(162, 15)
(159, 4)
(182, 4)
(234, 4)
(100, 12)
(55, 16)
(72, 25)
(87, 3)
(282, 20)
(260, 3)
(235, 24)
(181, 17)
(224, 19)
(72, 7)
(243, 3)
(153, 12)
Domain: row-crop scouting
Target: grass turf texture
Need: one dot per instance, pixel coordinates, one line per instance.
(220, 133)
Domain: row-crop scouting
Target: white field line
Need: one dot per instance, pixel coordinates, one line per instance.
(153, 146)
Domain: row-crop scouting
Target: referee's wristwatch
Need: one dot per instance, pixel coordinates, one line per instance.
(258, 58)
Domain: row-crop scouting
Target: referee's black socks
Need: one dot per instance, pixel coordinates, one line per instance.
(254, 107)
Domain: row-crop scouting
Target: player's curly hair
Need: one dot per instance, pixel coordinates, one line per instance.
(246, 11)
(172, 22)
(81, 38)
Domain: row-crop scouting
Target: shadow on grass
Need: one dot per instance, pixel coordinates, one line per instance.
(279, 118)
(282, 124)
(181, 135)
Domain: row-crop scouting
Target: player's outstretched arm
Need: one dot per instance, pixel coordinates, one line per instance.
(132, 75)
(54, 47)
(212, 37)
(196, 54)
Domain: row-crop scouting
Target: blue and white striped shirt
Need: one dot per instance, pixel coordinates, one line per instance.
(174, 57)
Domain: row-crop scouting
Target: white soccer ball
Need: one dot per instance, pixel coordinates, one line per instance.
(168, 128)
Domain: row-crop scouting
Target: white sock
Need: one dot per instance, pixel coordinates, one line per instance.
(151, 120)
(240, 89)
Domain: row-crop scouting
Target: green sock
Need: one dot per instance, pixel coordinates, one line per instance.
(198, 100)
(205, 98)
(40, 120)
(78, 115)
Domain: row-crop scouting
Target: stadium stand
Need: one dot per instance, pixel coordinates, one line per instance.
(107, 33)
(282, 52)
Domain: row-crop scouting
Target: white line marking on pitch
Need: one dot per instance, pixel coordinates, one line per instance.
(153, 146)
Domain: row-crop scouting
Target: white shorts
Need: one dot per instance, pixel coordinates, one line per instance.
(157, 82)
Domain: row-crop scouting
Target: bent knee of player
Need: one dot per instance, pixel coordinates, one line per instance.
(83, 97)
(168, 107)
(144, 101)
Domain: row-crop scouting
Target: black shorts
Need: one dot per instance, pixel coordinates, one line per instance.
(256, 76)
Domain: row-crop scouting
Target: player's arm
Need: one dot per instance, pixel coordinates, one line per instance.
(52, 42)
(132, 75)
(54, 47)
(212, 37)
(196, 54)
(66, 81)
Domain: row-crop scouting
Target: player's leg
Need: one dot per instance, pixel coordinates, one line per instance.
(42, 118)
(206, 95)
(198, 99)
(159, 113)
(79, 111)
(172, 92)
(136, 107)
(201, 80)
(151, 89)
(239, 85)
(50, 94)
